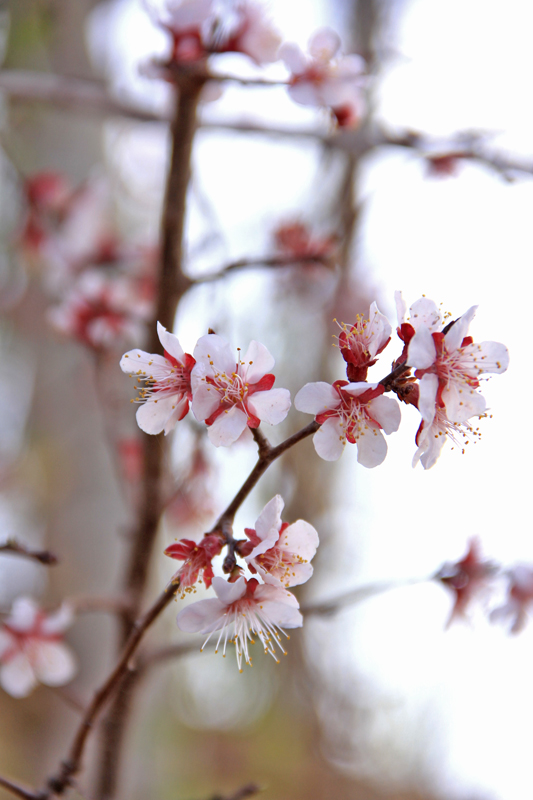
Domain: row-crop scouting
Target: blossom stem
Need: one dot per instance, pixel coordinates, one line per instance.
(42, 556)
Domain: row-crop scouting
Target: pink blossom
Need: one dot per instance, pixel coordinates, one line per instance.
(242, 610)
(229, 395)
(466, 578)
(166, 393)
(519, 598)
(202, 27)
(353, 412)
(281, 552)
(32, 649)
(362, 342)
(435, 428)
(100, 310)
(326, 79)
(197, 558)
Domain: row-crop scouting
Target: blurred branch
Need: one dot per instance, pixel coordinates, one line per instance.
(271, 261)
(246, 791)
(42, 556)
(88, 604)
(356, 595)
(18, 790)
(72, 764)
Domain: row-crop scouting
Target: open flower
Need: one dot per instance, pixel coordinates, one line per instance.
(281, 552)
(350, 412)
(229, 395)
(202, 27)
(167, 383)
(242, 610)
(466, 578)
(362, 342)
(197, 557)
(32, 649)
(326, 79)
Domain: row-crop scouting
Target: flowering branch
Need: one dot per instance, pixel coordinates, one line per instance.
(42, 556)
(17, 789)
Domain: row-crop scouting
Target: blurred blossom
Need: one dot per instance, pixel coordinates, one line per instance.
(467, 579)
(326, 79)
(32, 650)
(519, 598)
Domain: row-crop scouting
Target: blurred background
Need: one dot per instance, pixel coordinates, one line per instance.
(376, 700)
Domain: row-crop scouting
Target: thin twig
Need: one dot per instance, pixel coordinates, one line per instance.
(355, 596)
(72, 764)
(19, 549)
(18, 790)
(269, 261)
(246, 791)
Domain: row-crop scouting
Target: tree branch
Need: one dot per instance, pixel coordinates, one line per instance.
(269, 261)
(19, 549)
(18, 790)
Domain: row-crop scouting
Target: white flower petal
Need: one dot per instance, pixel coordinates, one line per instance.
(270, 518)
(488, 356)
(378, 330)
(138, 362)
(401, 307)
(23, 615)
(301, 539)
(153, 415)
(271, 406)
(228, 592)
(462, 402)
(53, 663)
(422, 352)
(315, 398)
(257, 362)
(428, 395)
(358, 388)
(7, 641)
(324, 44)
(205, 616)
(170, 343)
(227, 428)
(215, 354)
(424, 313)
(459, 330)
(205, 401)
(17, 677)
(386, 411)
(371, 448)
(293, 58)
(59, 620)
(329, 440)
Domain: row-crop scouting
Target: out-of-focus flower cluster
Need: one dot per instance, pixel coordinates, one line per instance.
(101, 288)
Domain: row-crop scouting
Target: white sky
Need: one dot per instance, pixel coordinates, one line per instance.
(461, 64)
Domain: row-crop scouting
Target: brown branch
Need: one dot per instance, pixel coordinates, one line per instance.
(266, 458)
(19, 549)
(72, 764)
(269, 261)
(18, 790)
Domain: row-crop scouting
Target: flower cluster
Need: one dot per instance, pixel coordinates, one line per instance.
(32, 649)
(200, 28)
(229, 395)
(325, 79)
(278, 554)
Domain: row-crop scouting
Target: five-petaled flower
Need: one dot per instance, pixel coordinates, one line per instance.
(32, 650)
(281, 552)
(197, 557)
(166, 393)
(229, 395)
(361, 342)
(353, 412)
(242, 610)
(466, 578)
(326, 79)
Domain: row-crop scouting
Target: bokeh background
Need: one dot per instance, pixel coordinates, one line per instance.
(376, 700)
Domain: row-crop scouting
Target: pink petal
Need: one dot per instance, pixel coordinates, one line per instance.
(7, 641)
(371, 448)
(170, 343)
(424, 313)
(54, 663)
(227, 428)
(315, 398)
(257, 362)
(324, 44)
(270, 518)
(422, 352)
(271, 406)
(428, 397)
(378, 330)
(59, 621)
(228, 592)
(386, 411)
(459, 330)
(359, 387)
(462, 402)
(301, 539)
(137, 362)
(488, 356)
(23, 614)
(329, 440)
(306, 94)
(153, 415)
